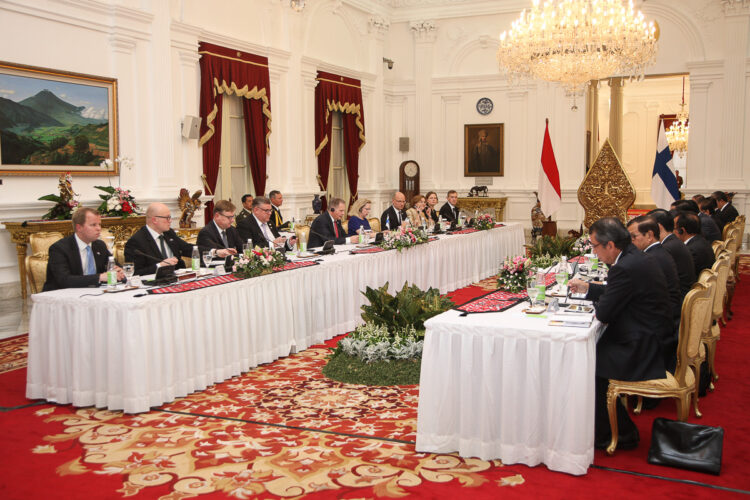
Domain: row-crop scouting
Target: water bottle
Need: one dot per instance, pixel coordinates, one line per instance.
(361, 236)
(291, 225)
(540, 286)
(196, 264)
(111, 274)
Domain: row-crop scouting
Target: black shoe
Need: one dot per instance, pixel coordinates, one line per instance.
(624, 442)
(650, 403)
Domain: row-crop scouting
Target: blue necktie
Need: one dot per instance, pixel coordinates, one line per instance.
(90, 264)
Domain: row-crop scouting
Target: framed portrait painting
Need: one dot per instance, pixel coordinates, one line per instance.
(55, 121)
(483, 150)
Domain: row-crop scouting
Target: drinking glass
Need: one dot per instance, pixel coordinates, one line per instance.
(532, 290)
(562, 281)
(128, 269)
(109, 241)
(206, 259)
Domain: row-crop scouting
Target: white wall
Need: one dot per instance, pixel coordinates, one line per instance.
(444, 53)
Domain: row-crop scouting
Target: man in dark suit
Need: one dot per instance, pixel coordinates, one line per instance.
(219, 236)
(687, 228)
(258, 228)
(676, 249)
(644, 233)
(276, 221)
(635, 306)
(394, 215)
(449, 211)
(79, 260)
(726, 211)
(247, 200)
(708, 209)
(327, 226)
(156, 244)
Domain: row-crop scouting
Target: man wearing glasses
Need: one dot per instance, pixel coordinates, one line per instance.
(156, 244)
(219, 236)
(258, 228)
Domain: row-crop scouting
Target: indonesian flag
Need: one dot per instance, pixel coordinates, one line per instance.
(549, 177)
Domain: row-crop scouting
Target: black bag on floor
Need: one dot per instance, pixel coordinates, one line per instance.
(686, 446)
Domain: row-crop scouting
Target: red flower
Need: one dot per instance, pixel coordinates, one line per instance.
(126, 207)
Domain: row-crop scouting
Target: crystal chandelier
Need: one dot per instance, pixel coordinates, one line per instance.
(575, 41)
(677, 133)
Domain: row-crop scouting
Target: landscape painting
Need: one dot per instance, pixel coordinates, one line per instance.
(53, 122)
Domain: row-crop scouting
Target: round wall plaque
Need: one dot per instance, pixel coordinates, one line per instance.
(484, 106)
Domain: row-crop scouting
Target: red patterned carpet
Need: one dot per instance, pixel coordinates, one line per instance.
(285, 431)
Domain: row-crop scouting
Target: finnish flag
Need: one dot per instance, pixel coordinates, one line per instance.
(664, 189)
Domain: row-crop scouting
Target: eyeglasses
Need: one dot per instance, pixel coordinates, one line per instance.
(266, 210)
(594, 245)
(165, 217)
(230, 217)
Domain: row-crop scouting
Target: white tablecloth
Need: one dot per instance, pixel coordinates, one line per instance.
(506, 386)
(124, 352)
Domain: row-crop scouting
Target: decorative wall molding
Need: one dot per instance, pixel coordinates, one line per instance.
(423, 31)
(378, 26)
(736, 7)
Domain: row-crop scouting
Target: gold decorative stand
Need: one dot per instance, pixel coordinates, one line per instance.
(469, 204)
(121, 228)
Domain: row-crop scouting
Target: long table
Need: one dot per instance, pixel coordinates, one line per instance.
(121, 351)
(510, 387)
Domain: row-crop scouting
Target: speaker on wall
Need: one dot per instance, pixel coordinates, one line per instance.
(191, 127)
(403, 144)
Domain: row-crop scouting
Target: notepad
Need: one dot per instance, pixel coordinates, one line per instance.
(576, 320)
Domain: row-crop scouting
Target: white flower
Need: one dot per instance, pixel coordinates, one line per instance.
(111, 203)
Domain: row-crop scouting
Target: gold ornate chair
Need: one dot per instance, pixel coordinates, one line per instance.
(345, 225)
(680, 385)
(36, 263)
(710, 337)
(708, 277)
(40, 242)
(36, 271)
(718, 246)
(374, 224)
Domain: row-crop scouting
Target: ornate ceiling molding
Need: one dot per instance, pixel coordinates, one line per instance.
(423, 31)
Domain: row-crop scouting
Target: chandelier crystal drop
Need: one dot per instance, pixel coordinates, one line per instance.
(572, 42)
(678, 132)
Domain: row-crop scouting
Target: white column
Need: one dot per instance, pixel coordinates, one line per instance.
(615, 114)
(698, 161)
(424, 38)
(735, 32)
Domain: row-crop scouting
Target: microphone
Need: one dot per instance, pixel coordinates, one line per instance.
(144, 254)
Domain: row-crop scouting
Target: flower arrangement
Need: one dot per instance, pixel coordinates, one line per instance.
(484, 222)
(544, 261)
(65, 202)
(371, 342)
(514, 273)
(404, 237)
(257, 261)
(117, 202)
(583, 245)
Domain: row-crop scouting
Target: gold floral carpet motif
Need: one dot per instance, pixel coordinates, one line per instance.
(280, 431)
(13, 353)
(293, 392)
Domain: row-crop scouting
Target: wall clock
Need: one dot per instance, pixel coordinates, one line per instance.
(484, 106)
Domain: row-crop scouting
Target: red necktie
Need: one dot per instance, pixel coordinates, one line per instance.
(336, 228)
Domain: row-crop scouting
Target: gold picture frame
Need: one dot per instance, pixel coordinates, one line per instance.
(56, 122)
(484, 150)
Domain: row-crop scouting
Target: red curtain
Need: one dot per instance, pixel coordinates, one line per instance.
(228, 71)
(339, 93)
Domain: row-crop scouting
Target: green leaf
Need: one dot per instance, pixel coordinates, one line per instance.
(108, 189)
(51, 197)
